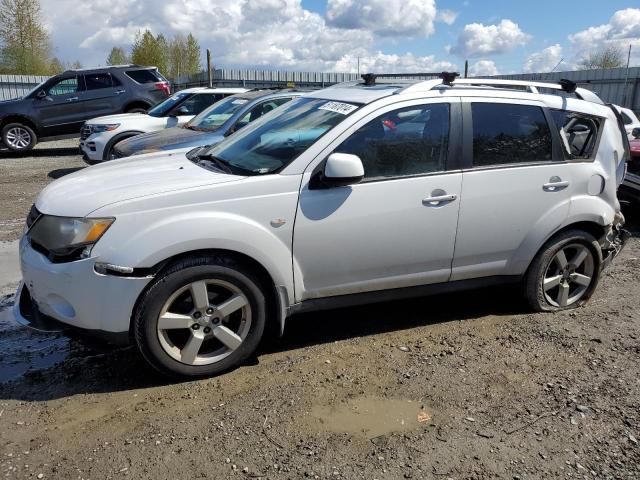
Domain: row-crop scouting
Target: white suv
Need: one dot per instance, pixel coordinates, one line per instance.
(99, 135)
(357, 193)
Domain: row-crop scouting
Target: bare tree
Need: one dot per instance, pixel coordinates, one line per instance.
(25, 41)
(610, 56)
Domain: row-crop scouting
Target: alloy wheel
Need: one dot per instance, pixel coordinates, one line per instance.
(204, 322)
(18, 138)
(569, 275)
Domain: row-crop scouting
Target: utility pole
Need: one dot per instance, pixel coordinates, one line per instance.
(209, 77)
(466, 68)
(358, 65)
(626, 79)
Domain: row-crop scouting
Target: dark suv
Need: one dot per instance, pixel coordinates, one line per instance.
(58, 107)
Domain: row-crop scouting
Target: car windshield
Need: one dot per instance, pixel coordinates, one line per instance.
(164, 107)
(276, 139)
(213, 117)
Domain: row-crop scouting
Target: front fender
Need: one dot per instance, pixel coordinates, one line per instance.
(168, 236)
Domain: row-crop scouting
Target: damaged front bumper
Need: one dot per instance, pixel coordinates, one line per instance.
(614, 240)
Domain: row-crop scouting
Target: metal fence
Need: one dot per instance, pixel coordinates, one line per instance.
(613, 85)
(16, 86)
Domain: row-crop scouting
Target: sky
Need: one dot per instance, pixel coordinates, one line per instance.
(497, 37)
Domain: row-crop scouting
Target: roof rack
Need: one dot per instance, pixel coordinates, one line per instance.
(446, 77)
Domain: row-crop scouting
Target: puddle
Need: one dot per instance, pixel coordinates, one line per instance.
(23, 350)
(370, 417)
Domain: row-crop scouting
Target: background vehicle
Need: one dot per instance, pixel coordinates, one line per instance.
(99, 135)
(211, 126)
(630, 188)
(58, 107)
(630, 120)
(352, 194)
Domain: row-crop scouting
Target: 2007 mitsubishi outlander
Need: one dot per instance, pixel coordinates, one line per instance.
(362, 192)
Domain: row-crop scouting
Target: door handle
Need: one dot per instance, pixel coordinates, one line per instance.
(438, 199)
(72, 99)
(555, 184)
(118, 92)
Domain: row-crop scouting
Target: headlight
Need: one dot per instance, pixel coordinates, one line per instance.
(104, 128)
(62, 236)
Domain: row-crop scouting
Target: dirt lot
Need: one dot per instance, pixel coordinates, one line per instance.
(465, 386)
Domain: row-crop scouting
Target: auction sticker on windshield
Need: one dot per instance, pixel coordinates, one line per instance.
(338, 107)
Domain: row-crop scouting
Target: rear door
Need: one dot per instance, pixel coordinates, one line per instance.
(516, 187)
(61, 112)
(101, 96)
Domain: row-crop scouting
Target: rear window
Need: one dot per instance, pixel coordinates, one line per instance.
(144, 76)
(508, 133)
(579, 133)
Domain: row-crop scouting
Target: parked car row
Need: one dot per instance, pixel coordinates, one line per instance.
(362, 192)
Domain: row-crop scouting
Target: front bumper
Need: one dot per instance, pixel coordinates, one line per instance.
(93, 146)
(74, 295)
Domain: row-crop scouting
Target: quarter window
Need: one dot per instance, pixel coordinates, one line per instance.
(506, 133)
(578, 132)
(409, 141)
(97, 81)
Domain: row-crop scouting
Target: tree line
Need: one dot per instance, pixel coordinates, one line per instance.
(26, 49)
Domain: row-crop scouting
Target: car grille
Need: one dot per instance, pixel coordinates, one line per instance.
(33, 216)
(85, 131)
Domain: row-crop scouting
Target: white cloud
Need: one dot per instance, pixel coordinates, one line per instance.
(622, 30)
(484, 68)
(447, 16)
(383, 63)
(384, 17)
(478, 40)
(270, 33)
(544, 60)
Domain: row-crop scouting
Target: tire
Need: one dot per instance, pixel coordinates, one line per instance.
(137, 110)
(18, 137)
(564, 273)
(108, 150)
(220, 342)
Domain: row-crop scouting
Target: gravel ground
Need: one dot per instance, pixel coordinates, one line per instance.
(465, 386)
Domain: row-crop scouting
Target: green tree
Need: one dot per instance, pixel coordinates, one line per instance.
(150, 50)
(25, 42)
(184, 56)
(117, 57)
(192, 56)
(607, 57)
(55, 66)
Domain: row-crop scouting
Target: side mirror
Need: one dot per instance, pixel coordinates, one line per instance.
(41, 94)
(340, 170)
(635, 133)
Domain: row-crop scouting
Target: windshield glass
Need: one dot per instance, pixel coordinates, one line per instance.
(276, 139)
(34, 89)
(164, 107)
(214, 116)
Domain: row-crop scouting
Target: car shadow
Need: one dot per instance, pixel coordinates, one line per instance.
(61, 172)
(94, 368)
(40, 152)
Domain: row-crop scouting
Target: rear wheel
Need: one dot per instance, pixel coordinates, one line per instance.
(565, 272)
(18, 137)
(137, 110)
(203, 316)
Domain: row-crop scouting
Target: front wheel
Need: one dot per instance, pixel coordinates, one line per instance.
(18, 137)
(565, 272)
(203, 316)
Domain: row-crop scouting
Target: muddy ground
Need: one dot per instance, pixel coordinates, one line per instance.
(465, 386)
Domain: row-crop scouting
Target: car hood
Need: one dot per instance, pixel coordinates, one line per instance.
(168, 139)
(118, 118)
(82, 192)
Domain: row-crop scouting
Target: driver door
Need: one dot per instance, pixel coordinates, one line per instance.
(387, 231)
(61, 111)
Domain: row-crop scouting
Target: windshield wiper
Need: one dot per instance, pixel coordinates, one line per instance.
(225, 165)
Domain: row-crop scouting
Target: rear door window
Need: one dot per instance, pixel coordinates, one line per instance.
(143, 76)
(96, 81)
(578, 132)
(505, 133)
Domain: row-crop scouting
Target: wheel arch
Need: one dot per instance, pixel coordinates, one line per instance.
(118, 138)
(136, 104)
(16, 118)
(276, 298)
